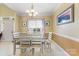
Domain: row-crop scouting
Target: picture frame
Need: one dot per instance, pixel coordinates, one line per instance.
(67, 16)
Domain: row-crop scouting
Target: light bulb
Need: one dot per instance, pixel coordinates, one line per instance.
(36, 13)
(32, 10)
(30, 14)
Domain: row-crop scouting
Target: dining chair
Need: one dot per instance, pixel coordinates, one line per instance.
(36, 44)
(19, 40)
(25, 43)
(34, 48)
(48, 41)
(15, 42)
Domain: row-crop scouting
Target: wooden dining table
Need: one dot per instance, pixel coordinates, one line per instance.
(32, 39)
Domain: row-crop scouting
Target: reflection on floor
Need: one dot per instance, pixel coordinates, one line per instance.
(6, 49)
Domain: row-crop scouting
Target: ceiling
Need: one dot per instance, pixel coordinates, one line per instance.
(43, 9)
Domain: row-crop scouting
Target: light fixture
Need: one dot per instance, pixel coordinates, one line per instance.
(32, 12)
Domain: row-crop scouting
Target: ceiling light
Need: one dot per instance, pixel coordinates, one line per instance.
(32, 12)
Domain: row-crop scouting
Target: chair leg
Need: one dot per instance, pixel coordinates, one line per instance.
(33, 51)
(41, 51)
(14, 51)
(50, 48)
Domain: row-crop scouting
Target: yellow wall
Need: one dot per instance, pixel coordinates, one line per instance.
(70, 29)
(24, 19)
(19, 20)
(5, 11)
(17, 29)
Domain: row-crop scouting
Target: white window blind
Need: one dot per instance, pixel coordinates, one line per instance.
(35, 24)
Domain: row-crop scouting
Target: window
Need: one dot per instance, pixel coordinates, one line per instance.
(35, 26)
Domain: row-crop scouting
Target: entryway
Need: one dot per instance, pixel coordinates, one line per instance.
(7, 28)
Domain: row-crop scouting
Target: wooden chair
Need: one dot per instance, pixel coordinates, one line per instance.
(15, 42)
(48, 41)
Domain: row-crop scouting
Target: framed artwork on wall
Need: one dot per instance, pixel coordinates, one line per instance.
(67, 16)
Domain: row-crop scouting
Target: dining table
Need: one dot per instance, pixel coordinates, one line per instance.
(31, 39)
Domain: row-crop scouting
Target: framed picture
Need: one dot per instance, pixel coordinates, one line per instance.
(67, 16)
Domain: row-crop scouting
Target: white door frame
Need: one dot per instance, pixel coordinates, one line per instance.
(1, 17)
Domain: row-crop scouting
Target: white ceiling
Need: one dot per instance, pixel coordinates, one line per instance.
(44, 9)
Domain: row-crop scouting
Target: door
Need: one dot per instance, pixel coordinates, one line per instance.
(7, 28)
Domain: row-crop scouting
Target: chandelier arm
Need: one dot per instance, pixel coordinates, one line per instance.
(32, 12)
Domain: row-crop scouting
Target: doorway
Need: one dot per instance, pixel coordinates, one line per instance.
(7, 28)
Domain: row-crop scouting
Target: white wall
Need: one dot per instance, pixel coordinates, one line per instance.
(1, 24)
(70, 29)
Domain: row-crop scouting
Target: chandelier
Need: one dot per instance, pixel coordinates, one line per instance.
(32, 12)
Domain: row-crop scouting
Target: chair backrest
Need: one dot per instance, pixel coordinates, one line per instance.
(16, 35)
(49, 35)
